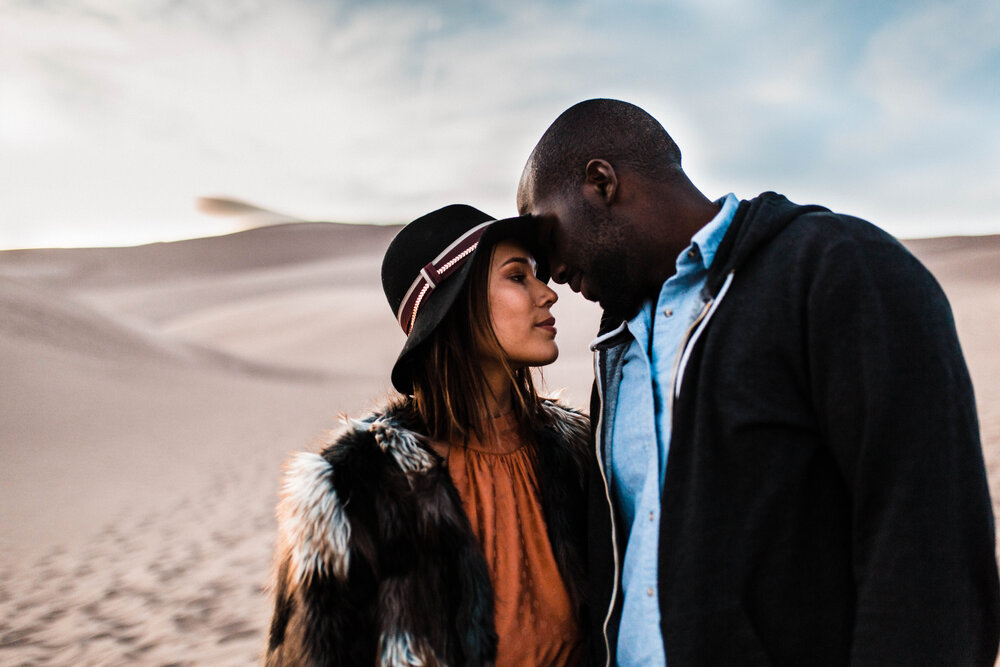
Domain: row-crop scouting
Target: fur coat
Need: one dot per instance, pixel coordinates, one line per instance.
(376, 561)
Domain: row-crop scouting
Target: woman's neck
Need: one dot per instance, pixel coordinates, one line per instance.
(498, 389)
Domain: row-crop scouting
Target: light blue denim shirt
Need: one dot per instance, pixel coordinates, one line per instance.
(640, 439)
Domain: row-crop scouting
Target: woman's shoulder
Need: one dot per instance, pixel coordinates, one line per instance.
(563, 428)
(390, 429)
(563, 442)
(317, 487)
(560, 416)
(395, 419)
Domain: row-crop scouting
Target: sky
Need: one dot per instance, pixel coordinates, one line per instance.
(117, 115)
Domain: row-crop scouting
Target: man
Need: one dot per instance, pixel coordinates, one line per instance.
(788, 468)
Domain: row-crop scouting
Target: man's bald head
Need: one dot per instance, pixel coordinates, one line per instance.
(616, 131)
(610, 202)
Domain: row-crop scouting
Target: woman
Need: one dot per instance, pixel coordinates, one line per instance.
(446, 528)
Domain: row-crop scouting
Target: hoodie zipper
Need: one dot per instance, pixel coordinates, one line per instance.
(691, 337)
(611, 509)
(699, 324)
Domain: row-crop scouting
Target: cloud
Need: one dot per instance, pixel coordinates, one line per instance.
(116, 116)
(928, 139)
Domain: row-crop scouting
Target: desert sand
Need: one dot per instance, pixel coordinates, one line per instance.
(149, 395)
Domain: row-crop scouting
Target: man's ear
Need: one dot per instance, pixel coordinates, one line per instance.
(601, 181)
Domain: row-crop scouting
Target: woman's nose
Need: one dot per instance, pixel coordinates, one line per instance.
(548, 296)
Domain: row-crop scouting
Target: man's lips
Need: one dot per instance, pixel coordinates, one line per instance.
(574, 282)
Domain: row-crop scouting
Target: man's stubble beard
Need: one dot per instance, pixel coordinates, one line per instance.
(617, 291)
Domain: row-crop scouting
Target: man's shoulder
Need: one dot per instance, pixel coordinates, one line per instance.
(770, 231)
(779, 216)
(815, 232)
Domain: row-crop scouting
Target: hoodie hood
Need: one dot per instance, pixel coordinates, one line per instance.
(755, 223)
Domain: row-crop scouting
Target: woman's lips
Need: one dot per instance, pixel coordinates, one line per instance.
(548, 325)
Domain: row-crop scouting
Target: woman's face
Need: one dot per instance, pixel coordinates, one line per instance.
(519, 307)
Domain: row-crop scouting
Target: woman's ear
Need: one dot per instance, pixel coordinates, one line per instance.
(601, 181)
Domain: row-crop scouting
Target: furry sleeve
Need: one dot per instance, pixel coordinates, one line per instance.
(377, 563)
(321, 593)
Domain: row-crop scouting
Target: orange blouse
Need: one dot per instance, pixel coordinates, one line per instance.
(535, 620)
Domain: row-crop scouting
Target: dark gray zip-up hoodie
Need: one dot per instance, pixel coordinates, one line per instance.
(825, 499)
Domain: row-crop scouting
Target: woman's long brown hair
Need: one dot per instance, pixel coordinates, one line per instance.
(450, 394)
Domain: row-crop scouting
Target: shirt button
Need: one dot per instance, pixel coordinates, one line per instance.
(692, 253)
(668, 312)
(651, 516)
(649, 592)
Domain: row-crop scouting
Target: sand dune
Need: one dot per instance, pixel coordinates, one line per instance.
(150, 393)
(956, 259)
(969, 270)
(139, 464)
(253, 250)
(46, 316)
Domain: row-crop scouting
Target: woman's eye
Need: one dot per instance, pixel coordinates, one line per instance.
(519, 277)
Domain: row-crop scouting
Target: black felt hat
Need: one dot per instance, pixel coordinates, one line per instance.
(430, 259)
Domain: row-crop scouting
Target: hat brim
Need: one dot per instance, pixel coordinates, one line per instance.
(442, 298)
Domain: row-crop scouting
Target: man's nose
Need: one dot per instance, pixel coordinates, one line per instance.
(559, 272)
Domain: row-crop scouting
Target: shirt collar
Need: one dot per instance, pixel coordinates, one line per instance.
(708, 238)
(706, 241)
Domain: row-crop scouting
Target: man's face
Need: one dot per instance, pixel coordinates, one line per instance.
(589, 248)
